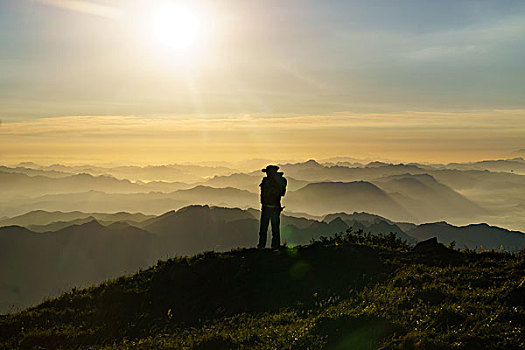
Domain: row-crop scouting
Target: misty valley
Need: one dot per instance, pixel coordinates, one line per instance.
(73, 226)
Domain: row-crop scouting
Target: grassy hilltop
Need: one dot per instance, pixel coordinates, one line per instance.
(348, 292)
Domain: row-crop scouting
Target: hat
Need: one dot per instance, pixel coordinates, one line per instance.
(270, 168)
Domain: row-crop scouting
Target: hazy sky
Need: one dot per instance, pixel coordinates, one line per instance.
(408, 80)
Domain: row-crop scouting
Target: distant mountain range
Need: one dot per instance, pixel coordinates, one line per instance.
(75, 249)
(374, 224)
(168, 172)
(149, 203)
(42, 217)
(428, 199)
(515, 165)
(249, 182)
(462, 193)
(474, 236)
(312, 171)
(326, 197)
(20, 184)
(404, 197)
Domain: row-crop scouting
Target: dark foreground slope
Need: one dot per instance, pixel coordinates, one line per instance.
(352, 292)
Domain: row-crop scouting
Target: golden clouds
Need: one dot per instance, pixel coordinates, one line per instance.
(410, 136)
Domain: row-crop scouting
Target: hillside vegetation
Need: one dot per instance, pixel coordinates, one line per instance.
(355, 291)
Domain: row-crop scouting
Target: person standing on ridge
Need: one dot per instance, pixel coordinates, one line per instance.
(273, 187)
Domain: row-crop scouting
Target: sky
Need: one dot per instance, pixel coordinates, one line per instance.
(107, 81)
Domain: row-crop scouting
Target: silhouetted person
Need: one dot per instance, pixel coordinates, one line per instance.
(273, 187)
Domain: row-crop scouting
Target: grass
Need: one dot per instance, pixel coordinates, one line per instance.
(352, 291)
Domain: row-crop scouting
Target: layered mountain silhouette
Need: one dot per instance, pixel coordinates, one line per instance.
(480, 180)
(12, 183)
(170, 172)
(501, 193)
(34, 265)
(37, 185)
(474, 236)
(516, 165)
(151, 202)
(43, 218)
(249, 182)
(325, 197)
(199, 228)
(373, 224)
(416, 198)
(33, 171)
(217, 196)
(312, 171)
(116, 227)
(428, 199)
(427, 192)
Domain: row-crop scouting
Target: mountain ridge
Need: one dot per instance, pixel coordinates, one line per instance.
(325, 197)
(344, 292)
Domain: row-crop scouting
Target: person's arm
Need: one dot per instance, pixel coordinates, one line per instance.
(285, 182)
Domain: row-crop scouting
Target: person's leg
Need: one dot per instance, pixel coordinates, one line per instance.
(263, 230)
(276, 230)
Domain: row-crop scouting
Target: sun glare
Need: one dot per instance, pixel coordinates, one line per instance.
(176, 26)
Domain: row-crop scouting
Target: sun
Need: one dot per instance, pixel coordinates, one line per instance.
(175, 26)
